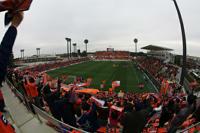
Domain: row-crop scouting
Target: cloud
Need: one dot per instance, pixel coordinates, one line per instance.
(106, 23)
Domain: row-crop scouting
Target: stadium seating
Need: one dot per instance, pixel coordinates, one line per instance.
(113, 108)
(112, 55)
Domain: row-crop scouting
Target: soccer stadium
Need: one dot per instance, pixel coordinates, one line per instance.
(106, 89)
(114, 81)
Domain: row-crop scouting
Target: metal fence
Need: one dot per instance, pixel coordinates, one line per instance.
(190, 127)
(186, 85)
(42, 115)
(58, 125)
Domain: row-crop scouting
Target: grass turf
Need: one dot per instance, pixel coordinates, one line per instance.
(124, 71)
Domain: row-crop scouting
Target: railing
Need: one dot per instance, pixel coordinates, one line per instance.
(154, 81)
(54, 123)
(59, 125)
(18, 94)
(186, 85)
(188, 128)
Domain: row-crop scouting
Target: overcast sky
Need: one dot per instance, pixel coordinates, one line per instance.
(106, 23)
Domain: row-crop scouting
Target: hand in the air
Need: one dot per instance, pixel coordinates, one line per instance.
(17, 19)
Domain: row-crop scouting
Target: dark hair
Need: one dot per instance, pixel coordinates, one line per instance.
(191, 99)
(80, 96)
(177, 100)
(85, 106)
(26, 73)
(31, 80)
(130, 99)
(25, 81)
(170, 104)
(114, 115)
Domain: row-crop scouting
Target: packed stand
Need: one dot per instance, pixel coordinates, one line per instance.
(160, 71)
(112, 55)
(109, 111)
(53, 65)
(158, 68)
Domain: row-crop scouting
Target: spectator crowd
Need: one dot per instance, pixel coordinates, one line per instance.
(112, 55)
(110, 111)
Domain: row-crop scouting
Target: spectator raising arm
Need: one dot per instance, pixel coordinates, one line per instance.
(7, 44)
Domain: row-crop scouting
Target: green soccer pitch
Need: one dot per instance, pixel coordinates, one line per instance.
(124, 71)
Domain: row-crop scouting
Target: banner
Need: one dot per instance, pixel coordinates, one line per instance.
(98, 102)
(15, 5)
(88, 91)
(120, 109)
(164, 87)
(115, 84)
(82, 85)
(12, 7)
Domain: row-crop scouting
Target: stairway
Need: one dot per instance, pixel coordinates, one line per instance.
(23, 120)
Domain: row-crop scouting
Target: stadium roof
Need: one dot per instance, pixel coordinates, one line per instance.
(156, 48)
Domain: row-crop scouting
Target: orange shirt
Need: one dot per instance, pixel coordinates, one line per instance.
(27, 90)
(32, 89)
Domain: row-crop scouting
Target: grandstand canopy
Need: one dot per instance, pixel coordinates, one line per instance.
(156, 48)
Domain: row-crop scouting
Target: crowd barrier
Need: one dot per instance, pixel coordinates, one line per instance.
(19, 95)
(190, 127)
(59, 126)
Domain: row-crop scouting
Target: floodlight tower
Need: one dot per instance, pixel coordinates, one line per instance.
(135, 41)
(38, 52)
(22, 53)
(74, 45)
(68, 43)
(86, 42)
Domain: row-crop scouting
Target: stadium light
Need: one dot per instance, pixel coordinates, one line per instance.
(183, 73)
(135, 41)
(67, 39)
(22, 53)
(74, 45)
(38, 52)
(86, 42)
(70, 47)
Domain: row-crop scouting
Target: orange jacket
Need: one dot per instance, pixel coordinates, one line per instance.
(32, 89)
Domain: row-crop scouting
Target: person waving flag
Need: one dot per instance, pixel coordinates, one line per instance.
(13, 7)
